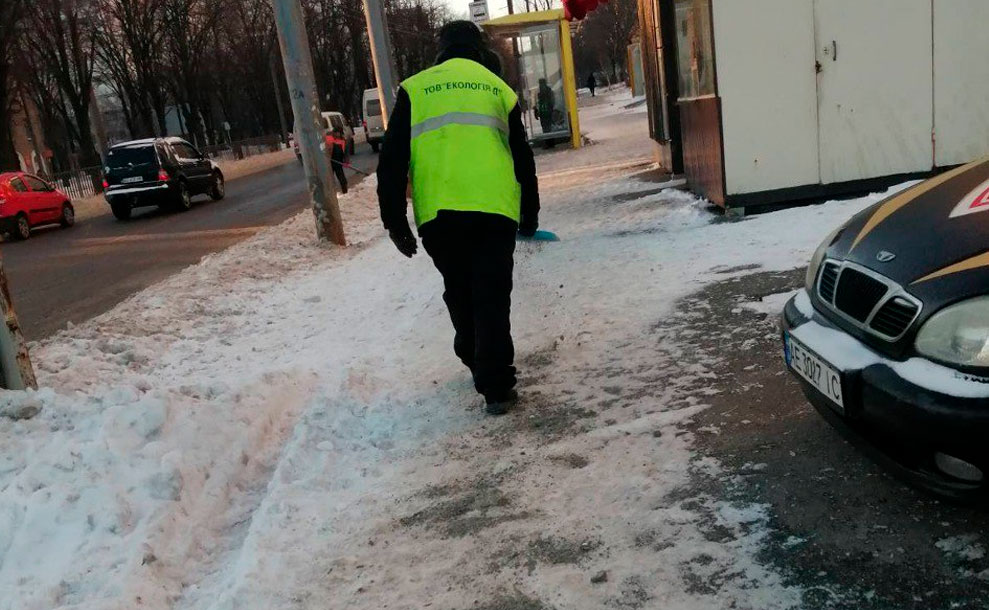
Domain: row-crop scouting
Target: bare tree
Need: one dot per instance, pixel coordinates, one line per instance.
(209, 61)
(241, 76)
(63, 44)
(190, 29)
(10, 13)
(602, 40)
(545, 5)
(340, 52)
(131, 61)
(413, 25)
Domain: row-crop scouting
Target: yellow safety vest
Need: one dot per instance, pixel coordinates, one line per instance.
(461, 159)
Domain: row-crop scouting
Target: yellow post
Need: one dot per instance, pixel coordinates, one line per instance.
(569, 82)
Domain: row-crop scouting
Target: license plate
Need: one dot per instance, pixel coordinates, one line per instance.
(816, 371)
(132, 180)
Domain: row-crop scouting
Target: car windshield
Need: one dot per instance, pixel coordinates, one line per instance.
(373, 108)
(130, 156)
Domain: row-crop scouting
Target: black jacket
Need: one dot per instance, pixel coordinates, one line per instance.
(393, 168)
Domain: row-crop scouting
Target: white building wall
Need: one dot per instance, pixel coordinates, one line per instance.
(765, 64)
(961, 80)
(875, 88)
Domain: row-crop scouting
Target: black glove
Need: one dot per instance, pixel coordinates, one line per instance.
(527, 228)
(405, 242)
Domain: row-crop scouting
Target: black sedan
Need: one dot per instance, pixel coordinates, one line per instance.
(890, 338)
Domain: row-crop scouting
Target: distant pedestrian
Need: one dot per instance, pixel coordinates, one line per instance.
(457, 132)
(545, 105)
(338, 157)
(591, 83)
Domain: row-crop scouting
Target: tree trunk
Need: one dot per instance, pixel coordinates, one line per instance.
(84, 133)
(8, 157)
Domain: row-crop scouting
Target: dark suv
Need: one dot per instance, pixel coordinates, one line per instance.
(158, 172)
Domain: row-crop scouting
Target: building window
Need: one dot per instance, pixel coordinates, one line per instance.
(694, 48)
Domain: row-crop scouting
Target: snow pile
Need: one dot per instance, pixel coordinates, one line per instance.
(285, 425)
(771, 304)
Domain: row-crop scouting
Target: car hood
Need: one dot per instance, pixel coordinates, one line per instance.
(932, 239)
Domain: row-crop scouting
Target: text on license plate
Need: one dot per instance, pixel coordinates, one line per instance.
(131, 179)
(816, 371)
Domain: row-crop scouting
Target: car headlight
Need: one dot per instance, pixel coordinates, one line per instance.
(958, 334)
(818, 258)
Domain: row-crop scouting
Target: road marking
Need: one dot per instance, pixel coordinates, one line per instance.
(205, 234)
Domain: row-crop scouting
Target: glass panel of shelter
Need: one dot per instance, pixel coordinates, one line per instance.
(543, 99)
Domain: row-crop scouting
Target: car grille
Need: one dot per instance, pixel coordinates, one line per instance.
(829, 280)
(856, 294)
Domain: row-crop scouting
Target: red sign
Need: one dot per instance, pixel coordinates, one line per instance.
(578, 9)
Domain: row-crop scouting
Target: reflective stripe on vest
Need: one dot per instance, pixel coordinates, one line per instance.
(460, 156)
(460, 118)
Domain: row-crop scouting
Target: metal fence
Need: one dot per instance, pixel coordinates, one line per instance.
(242, 149)
(80, 184)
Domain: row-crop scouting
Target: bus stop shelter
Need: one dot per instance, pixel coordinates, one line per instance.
(548, 86)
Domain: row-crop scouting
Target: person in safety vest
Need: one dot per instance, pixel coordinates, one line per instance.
(457, 132)
(338, 157)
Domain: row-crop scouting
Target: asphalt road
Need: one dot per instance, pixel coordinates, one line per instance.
(60, 276)
(843, 528)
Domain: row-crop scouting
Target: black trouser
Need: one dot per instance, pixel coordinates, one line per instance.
(546, 122)
(474, 253)
(337, 163)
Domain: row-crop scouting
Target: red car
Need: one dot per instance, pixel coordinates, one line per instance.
(27, 201)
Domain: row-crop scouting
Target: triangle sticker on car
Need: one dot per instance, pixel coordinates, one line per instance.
(976, 201)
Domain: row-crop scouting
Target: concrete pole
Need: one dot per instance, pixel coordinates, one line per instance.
(278, 94)
(297, 58)
(98, 125)
(381, 55)
(16, 372)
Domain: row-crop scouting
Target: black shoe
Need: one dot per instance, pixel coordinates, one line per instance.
(501, 404)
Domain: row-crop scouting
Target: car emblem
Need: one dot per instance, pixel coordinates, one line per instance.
(885, 256)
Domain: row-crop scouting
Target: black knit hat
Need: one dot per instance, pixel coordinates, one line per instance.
(461, 34)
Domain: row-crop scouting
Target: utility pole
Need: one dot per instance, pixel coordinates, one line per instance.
(278, 93)
(16, 372)
(297, 58)
(98, 125)
(381, 55)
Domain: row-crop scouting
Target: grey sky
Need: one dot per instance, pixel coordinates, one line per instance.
(497, 8)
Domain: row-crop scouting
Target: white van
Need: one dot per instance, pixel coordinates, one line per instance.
(335, 121)
(374, 124)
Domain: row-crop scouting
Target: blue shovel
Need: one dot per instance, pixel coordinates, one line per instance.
(540, 236)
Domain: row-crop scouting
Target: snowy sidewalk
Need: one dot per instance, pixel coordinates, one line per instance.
(285, 426)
